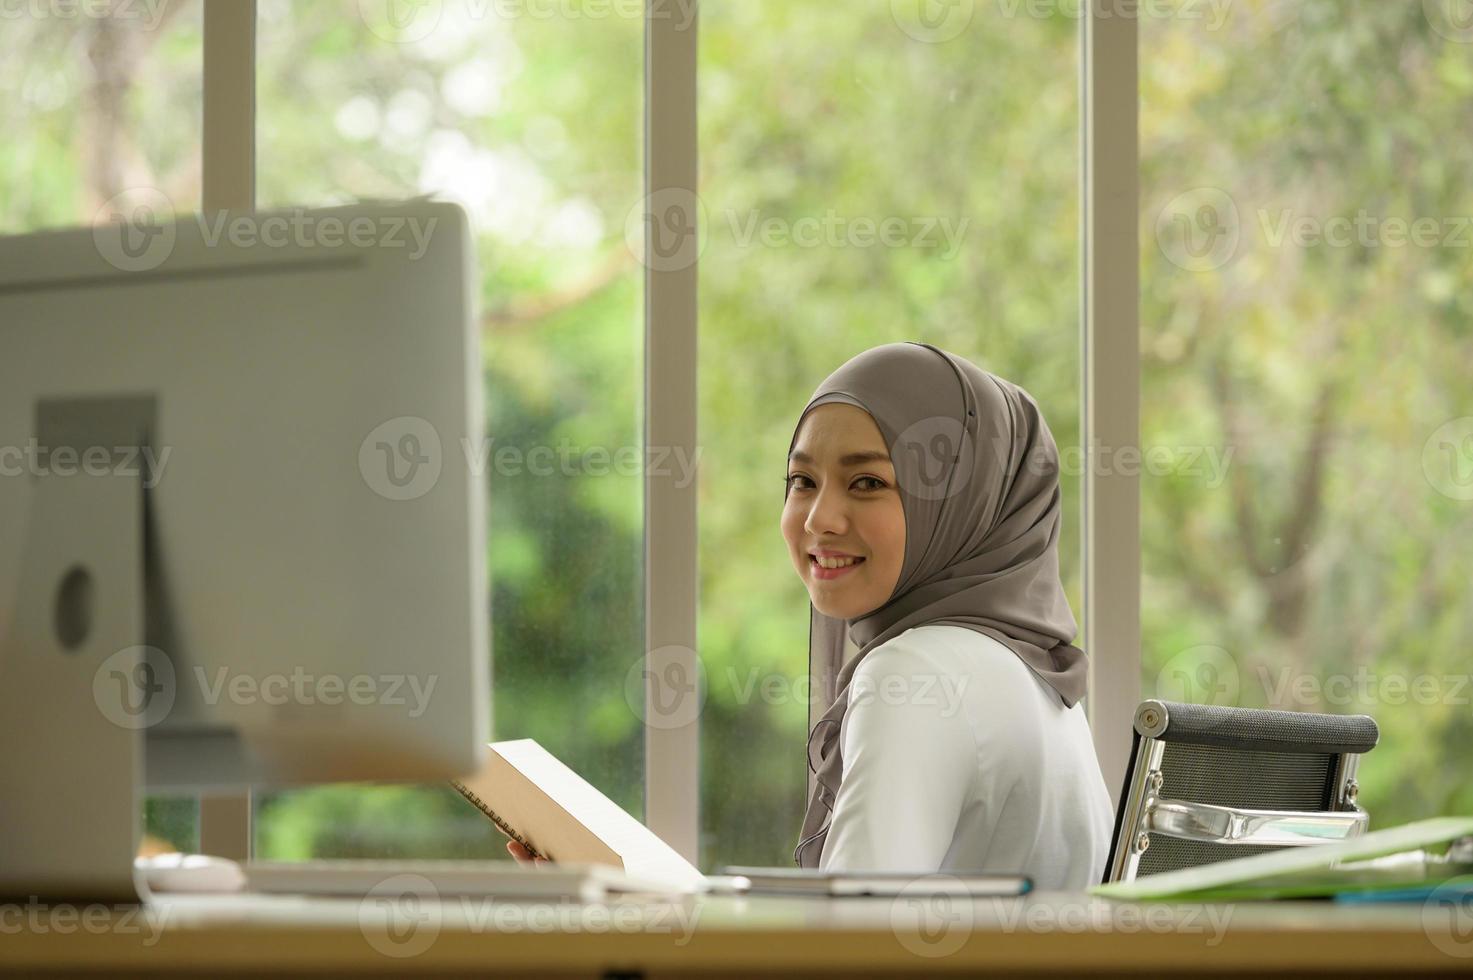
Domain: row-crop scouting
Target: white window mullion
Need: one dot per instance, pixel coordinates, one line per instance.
(1111, 375)
(673, 692)
(229, 151)
(228, 179)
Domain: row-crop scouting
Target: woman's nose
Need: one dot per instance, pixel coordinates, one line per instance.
(828, 514)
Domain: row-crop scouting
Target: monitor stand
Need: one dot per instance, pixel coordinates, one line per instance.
(78, 686)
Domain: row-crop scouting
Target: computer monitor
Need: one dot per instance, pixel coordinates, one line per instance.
(242, 528)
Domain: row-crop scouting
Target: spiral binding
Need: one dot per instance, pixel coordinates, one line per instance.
(501, 824)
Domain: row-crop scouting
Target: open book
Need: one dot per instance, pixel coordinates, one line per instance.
(538, 801)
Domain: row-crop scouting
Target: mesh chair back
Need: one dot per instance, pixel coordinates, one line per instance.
(1245, 773)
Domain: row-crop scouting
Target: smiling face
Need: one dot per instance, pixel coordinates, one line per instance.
(843, 509)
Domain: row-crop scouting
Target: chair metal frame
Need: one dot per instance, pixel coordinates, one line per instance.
(1144, 811)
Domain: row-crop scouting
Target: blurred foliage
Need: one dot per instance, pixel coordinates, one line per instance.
(1323, 549)
(1327, 570)
(95, 106)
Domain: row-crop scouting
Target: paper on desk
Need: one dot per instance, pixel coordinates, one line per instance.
(1292, 871)
(535, 798)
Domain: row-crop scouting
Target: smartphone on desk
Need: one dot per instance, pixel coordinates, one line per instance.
(878, 884)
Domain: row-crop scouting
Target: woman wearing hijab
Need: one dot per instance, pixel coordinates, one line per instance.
(922, 513)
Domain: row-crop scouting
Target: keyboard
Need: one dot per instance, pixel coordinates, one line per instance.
(445, 879)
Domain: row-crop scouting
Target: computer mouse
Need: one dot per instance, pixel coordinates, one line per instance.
(190, 873)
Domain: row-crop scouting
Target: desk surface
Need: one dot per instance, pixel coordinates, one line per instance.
(716, 935)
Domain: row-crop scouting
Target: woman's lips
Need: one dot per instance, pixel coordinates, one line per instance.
(827, 574)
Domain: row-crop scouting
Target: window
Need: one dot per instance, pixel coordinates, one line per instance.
(896, 170)
(486, 105)
(101, 112)
(834, 224)
(1305, 364)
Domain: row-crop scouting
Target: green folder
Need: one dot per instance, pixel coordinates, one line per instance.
(1368, 862)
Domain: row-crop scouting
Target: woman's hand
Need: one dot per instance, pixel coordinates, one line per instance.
(523, 855)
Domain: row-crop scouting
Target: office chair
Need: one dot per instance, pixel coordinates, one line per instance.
(1207, 783)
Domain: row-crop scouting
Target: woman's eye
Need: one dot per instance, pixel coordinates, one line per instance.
(875, 483)
(795, 476)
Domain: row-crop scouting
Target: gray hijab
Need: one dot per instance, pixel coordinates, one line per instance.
(978, 473)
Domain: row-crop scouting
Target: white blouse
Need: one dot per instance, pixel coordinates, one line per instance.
(957, 756)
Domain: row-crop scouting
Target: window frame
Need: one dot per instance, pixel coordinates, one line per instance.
(1109, 376)
(228, 182)
(1110, 373)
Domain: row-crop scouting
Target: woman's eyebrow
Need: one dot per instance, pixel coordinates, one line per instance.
(853, 459)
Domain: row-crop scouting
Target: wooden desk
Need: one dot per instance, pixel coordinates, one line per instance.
(725, 936)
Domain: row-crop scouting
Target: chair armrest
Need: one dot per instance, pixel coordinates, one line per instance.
(1229, 825)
